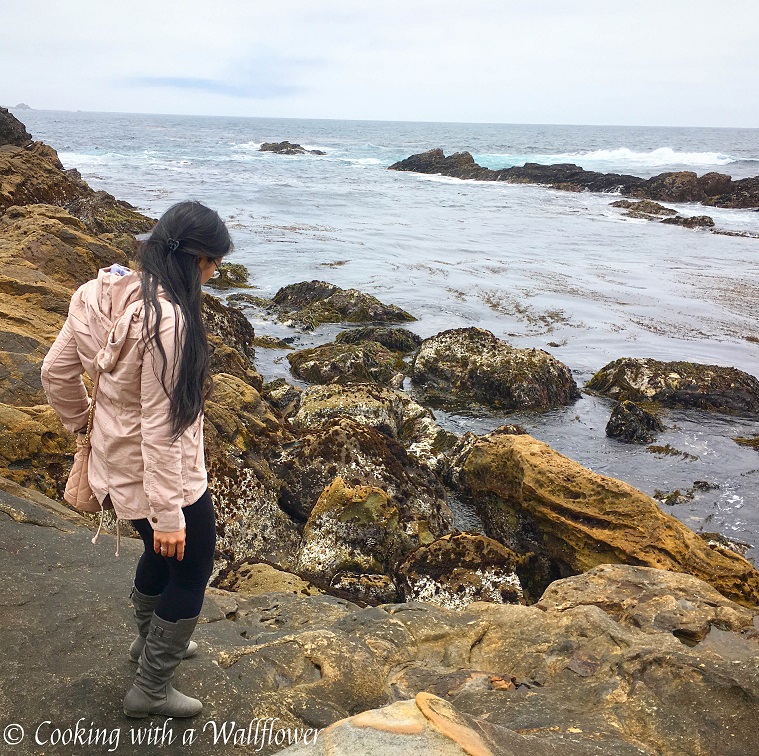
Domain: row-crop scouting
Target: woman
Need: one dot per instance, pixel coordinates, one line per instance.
(142, 332)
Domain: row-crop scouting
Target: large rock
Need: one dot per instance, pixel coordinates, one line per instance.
(348, 363)
(465, 365)
(363, 456)
(653, 601)
(241, 429)
(311, 303)
(525, 680)
(460, 568)
(354, 529)
(390, 411)
(687, 385)
(35, 175)
(715, 189)
(533, 499)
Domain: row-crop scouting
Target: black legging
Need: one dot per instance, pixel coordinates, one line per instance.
(181, 585)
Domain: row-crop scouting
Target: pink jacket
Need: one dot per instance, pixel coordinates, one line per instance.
(133, 457)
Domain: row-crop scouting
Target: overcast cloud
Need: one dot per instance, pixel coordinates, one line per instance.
(663, 62)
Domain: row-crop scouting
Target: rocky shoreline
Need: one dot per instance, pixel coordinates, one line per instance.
(344, 596)
(715, 189)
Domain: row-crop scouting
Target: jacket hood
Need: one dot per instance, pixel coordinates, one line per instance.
(108, 304)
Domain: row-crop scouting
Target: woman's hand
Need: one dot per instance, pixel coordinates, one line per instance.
(169, 544)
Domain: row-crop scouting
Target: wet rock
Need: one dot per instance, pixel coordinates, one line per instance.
(241, 429)
(715, 189)
(311, 303)
(12, 131)
(353, 529)
(230, 325)
(719, 541)
(283, 396)
(455, 570)
(362, 456)
(395, 339)
(687, 385)
(392, 412)
(524, 679)
(694, 221)
(465, 365)
(643, 208)
(631, 423)
(230, 276)
(348, 363)
(533, 499)
(286, 148)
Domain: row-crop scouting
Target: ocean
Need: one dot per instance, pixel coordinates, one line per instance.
(559, 271)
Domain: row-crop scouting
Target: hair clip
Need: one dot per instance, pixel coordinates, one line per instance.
(172, 244)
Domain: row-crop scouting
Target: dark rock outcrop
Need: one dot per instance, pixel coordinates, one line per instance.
(287, 148)
(631, 423)
(714, 189)
(466, 365)
(687, 385)
(643, 208)
(12, 131)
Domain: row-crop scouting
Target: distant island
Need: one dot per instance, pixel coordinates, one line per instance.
(20, 106)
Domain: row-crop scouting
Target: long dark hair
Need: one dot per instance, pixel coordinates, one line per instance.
(169, 258)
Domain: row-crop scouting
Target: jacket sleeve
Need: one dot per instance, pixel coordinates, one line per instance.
(161, 455)
(62, 381)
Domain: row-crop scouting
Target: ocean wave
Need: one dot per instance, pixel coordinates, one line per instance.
(621, 157)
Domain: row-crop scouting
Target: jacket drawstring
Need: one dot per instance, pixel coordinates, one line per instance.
(100, 527)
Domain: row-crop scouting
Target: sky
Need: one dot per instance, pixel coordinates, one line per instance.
(641, 62)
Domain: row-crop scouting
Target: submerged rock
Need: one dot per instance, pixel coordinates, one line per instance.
(715, 189)
(472, 365)
(455, 570)
(533, 499)
(694, 221)
(643, 208)
(286, 148)
(366, 361)
(687, 385)
(631, 423)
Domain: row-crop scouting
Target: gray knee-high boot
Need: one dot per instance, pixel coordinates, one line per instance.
(152, 692)
(143, 613)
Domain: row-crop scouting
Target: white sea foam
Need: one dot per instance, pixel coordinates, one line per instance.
(661, 156)
(621, 158)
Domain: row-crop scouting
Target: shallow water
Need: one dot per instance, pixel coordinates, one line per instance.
(540, 268)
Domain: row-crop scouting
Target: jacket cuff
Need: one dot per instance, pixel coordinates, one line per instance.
(166, 521)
